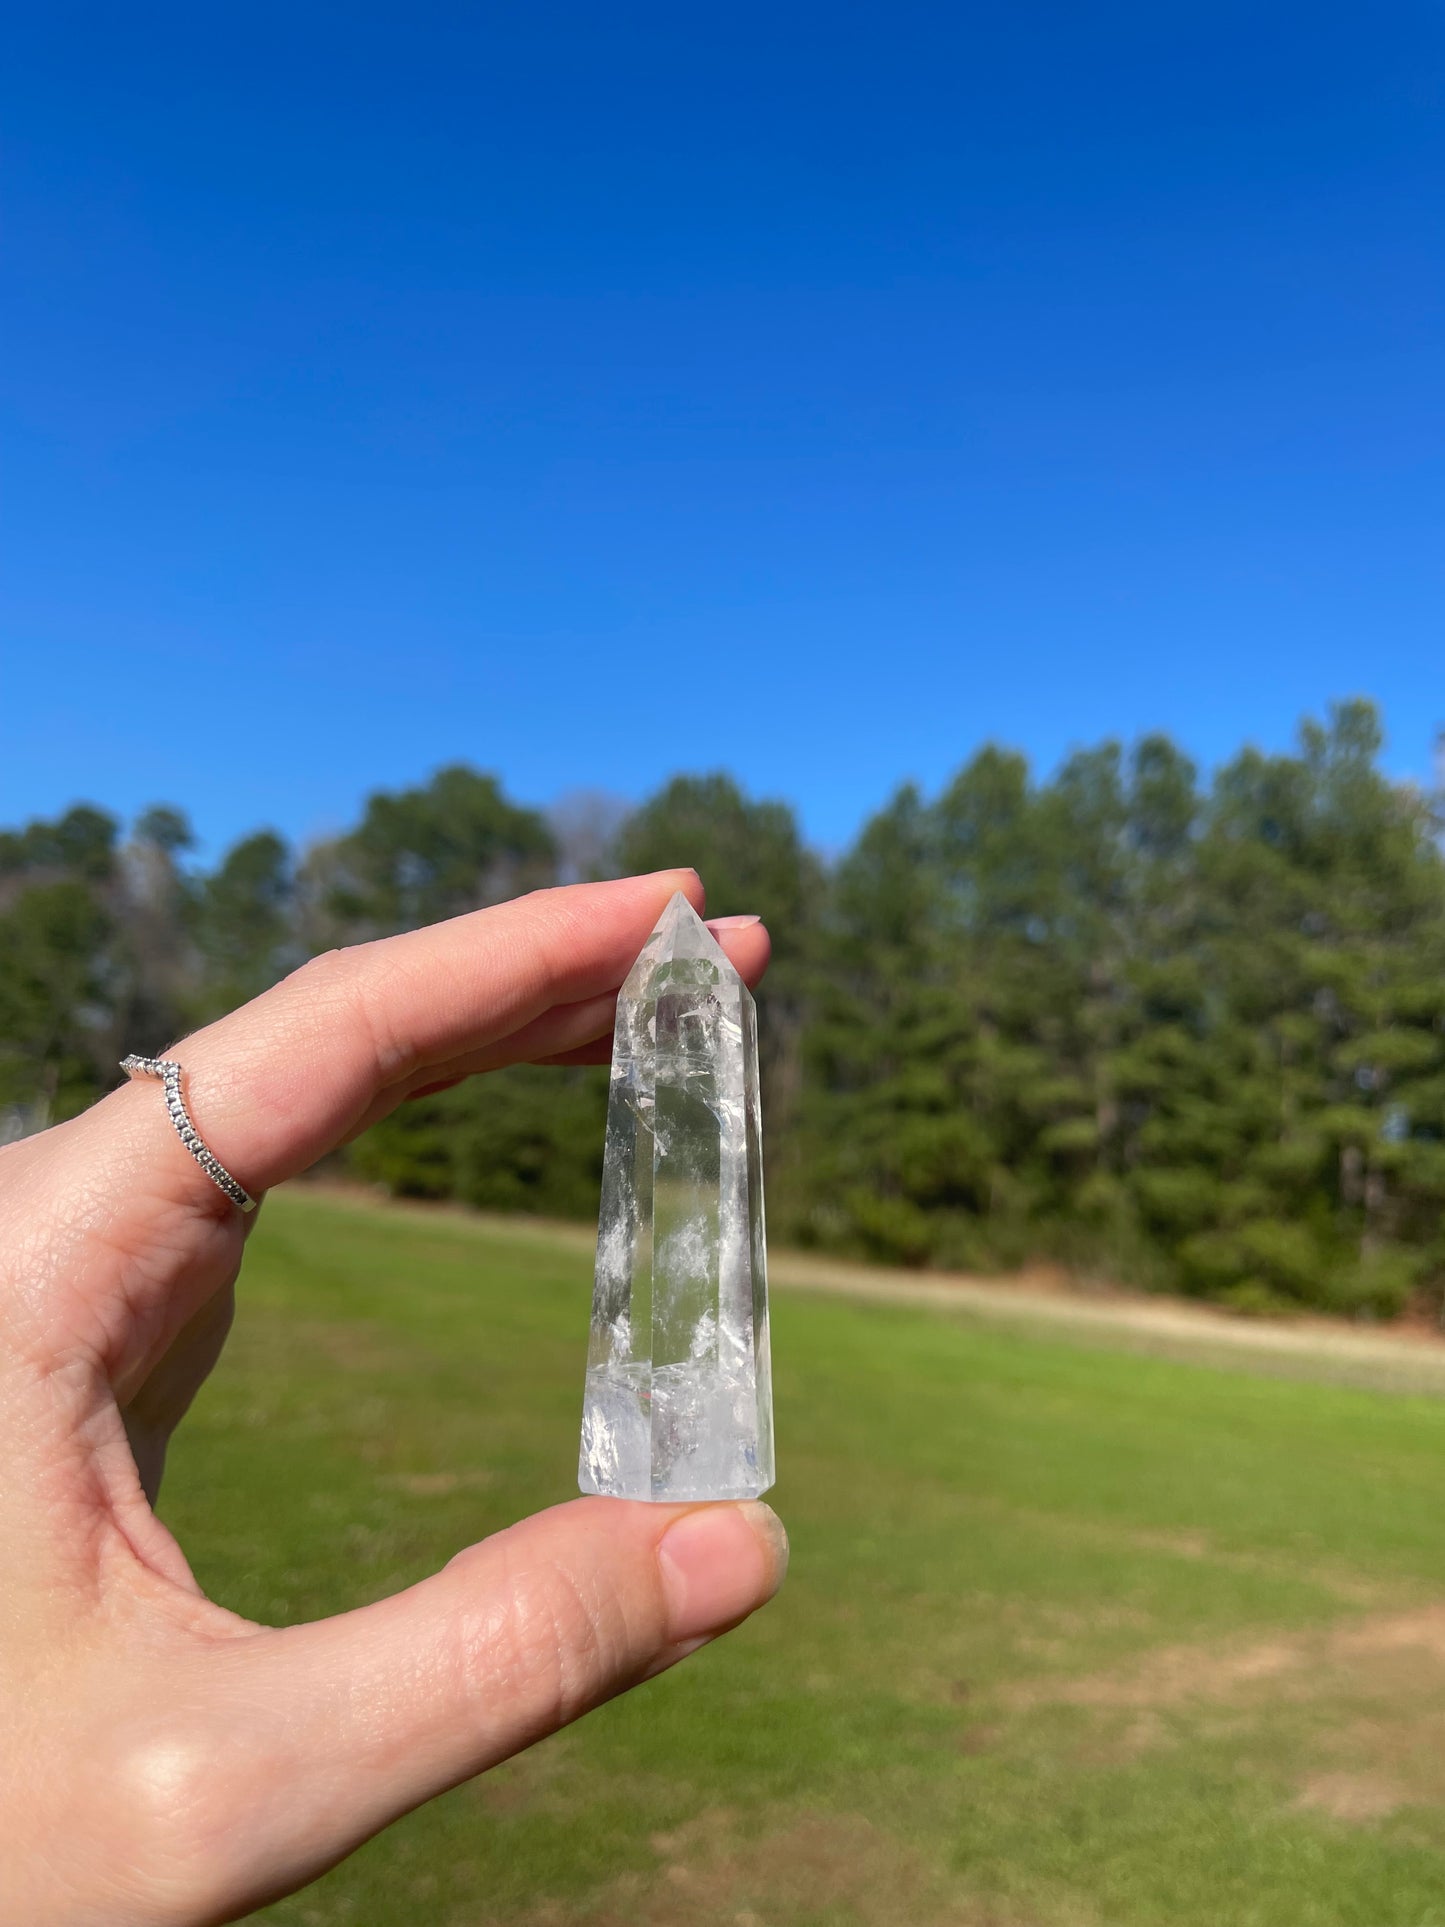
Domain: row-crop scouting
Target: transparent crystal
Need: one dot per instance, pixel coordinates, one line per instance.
(679, 1399)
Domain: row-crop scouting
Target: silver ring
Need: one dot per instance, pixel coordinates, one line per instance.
(169, 1073)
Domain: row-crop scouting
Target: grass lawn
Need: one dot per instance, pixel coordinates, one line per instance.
(1071, 1636)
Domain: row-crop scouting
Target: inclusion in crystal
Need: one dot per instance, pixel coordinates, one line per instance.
(679, 1399)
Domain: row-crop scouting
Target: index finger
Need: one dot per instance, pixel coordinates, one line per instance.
(280, 1082)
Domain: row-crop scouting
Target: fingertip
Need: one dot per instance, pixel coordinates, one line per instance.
(718, 1563)
(691, 885)
(748, 945)
(773, 1536)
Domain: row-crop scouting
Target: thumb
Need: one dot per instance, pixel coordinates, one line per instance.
(354, 1720)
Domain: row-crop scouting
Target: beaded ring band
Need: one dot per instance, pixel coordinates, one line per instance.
(169, 1073)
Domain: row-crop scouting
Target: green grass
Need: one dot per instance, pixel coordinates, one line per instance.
(1071, 1637)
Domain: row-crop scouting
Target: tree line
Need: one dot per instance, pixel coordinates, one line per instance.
(1186, 1033)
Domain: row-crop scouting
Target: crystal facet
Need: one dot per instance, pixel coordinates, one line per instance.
(679, 1400)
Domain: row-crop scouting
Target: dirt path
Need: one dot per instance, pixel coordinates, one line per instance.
(1392, 1359)
(1395, 1359)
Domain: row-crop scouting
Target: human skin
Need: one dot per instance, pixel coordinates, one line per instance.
(161, 1759)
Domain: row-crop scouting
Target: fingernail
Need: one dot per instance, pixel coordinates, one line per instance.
(731, 923)
(717, 1564)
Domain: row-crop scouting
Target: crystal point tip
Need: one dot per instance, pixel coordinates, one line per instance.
(678, 936)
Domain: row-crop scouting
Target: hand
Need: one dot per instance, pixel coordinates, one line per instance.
(161, 1759)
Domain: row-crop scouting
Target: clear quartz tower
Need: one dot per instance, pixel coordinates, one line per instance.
(679, 1399)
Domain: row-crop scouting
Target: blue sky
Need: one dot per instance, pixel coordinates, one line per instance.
(594, 392)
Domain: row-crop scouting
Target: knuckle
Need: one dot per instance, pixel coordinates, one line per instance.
(582, 1647)
(553, 1645)
(170, 1818)
(353, 986)
(321, 976)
